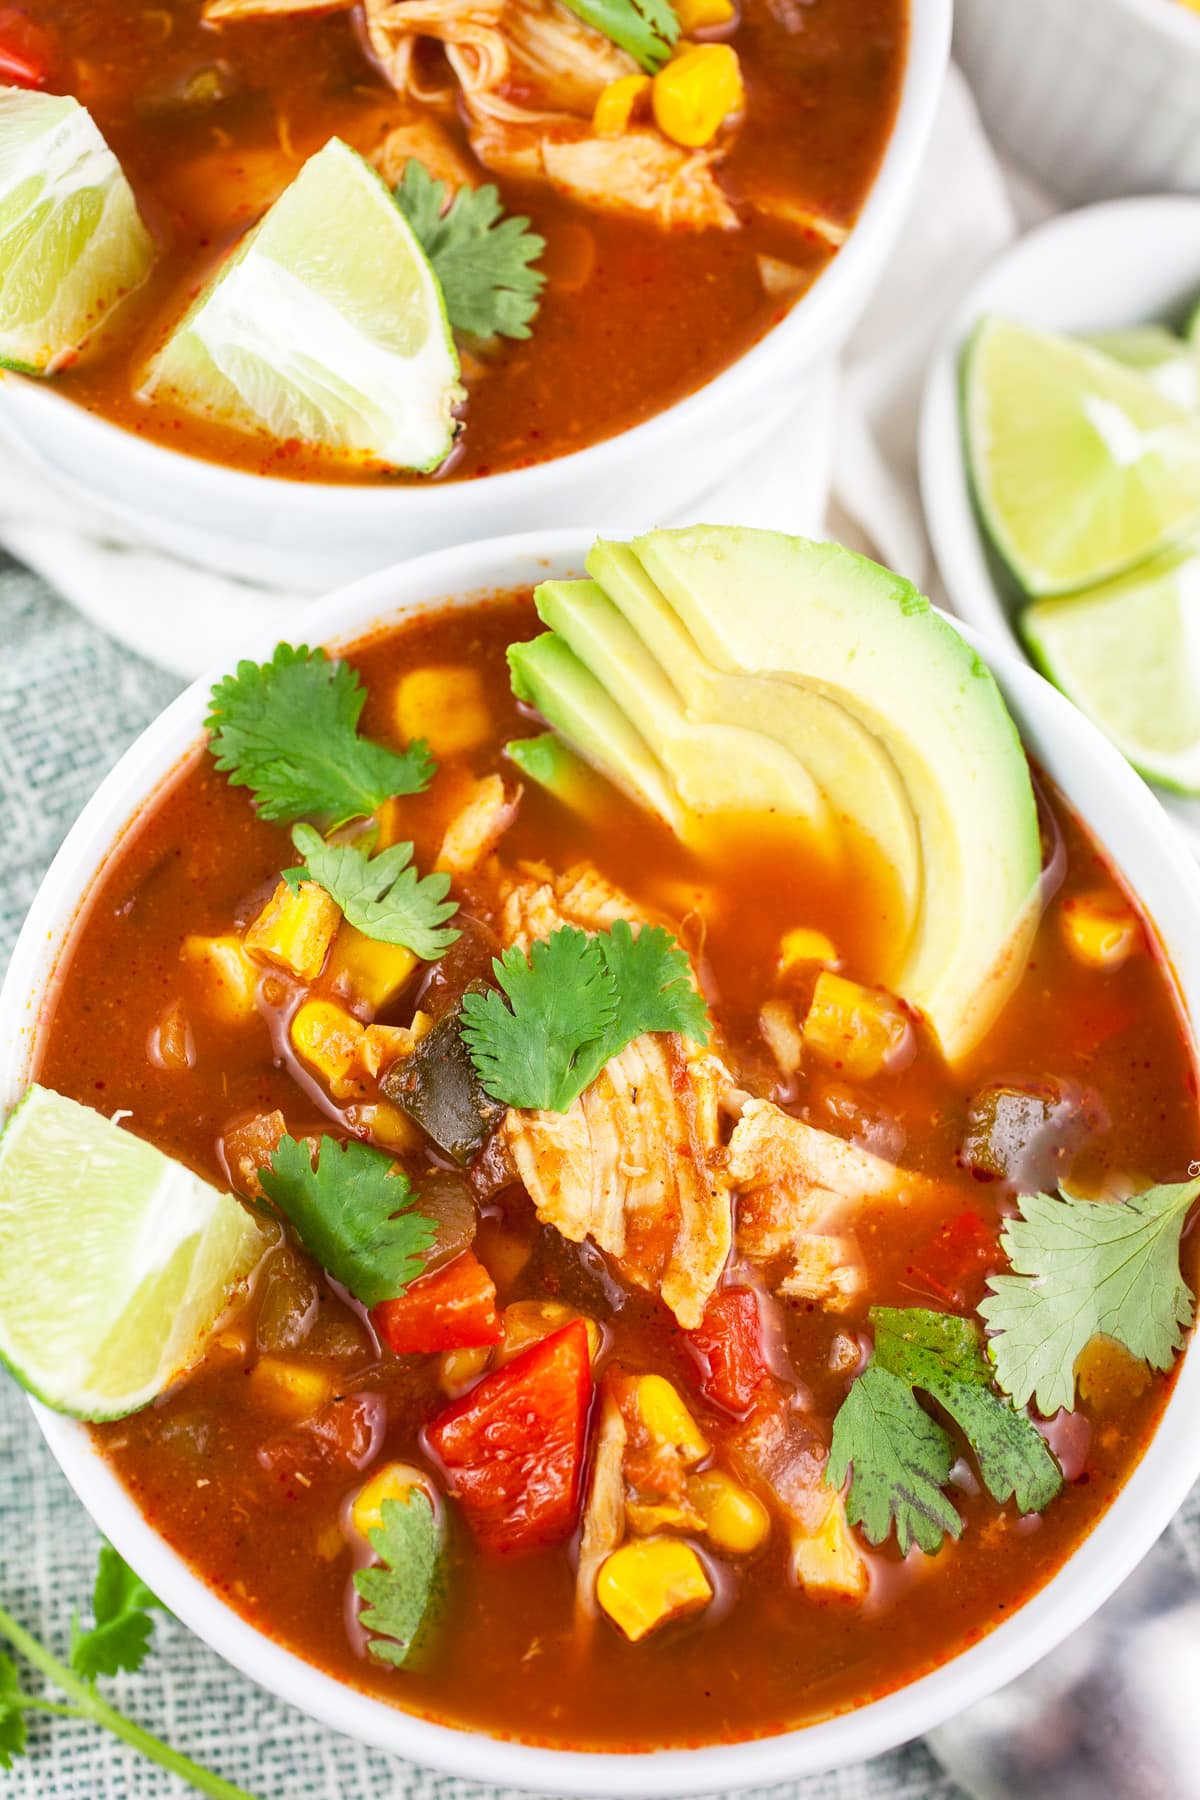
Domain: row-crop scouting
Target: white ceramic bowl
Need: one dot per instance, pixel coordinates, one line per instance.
(311, 535)
(1125, 263)
(1094, 97)
(1135, 833)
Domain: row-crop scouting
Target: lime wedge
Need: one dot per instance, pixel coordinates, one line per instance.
(1164, 359)
(1128, 655)
(1081, 468)
(115, 1262)
(327, 325)
(72, 243)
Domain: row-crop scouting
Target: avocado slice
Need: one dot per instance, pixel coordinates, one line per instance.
(715, 768)
(850, 765)
(759, 603)
(546, 674)
(551, 764)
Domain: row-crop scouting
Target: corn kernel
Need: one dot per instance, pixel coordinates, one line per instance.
(367, 971)
(616, 104)
(229, 978)
(294, 1389)
(651, 1581)
(1099, 930)
(856, 1027)
(529, 1321)
(459, 1368)
(395, 1481)
(385, 1124)
(327, 1038)
(829, 1559)
(295, 928)
(702, 15)
(696, 92)
(804, 946)
(667, 1419)
(735, 1519)
(445, 705)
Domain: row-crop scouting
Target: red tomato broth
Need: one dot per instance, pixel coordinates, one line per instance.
(659, 314)
(507, 1656)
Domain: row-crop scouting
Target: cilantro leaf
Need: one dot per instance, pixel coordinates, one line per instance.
(12, 1719)
(1082, 1268)
(942, 1354)
(562, 1000)
(576, 1002)
(481, 259)
(288, 729)
(352, 1214)
(648, 29)
(898, 1459)
(399, 1593)
(120, 1637)
(382, 896)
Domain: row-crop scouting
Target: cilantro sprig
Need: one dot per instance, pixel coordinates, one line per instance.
(400, 1590)
(288, 730)
(382, 896)
(899, 1457)
(355, 1215)
(572, 1005)
(647, 29)
(481, 259)
(118, 1639)
(1081, 1269)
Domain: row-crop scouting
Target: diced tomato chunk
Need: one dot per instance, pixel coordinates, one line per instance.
(452, 1309)
(728, 1345)
(346, 1434)
(513, 1447)
(951, 1264)
(26, 50)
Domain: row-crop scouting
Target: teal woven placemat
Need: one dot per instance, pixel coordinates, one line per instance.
(70, 702)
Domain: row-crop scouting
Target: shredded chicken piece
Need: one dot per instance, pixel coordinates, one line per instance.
(797, 1188)
(478, 826)
(643, 176)
(428, 141)
(778, 1023)
(782, 208)
(636, 1164)
(604, 1513)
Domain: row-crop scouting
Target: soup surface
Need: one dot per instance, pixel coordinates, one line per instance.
(212, 117)
(252, 1467)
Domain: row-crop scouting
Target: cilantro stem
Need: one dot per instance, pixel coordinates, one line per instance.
(31, 1703)
(89, 1705)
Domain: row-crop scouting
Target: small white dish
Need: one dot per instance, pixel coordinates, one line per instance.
(1128, 262)
(1094, 97)
(311, 536)
(1133, 831)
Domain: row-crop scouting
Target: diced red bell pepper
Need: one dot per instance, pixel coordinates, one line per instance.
(952, 1262)
(513, 1447)
(452, 1309)
(26, 50)
(729, 1347)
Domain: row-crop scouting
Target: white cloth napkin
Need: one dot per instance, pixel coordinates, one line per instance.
(184, 618)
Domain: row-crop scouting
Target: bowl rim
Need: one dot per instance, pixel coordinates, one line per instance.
(754, 376)
(1143, 1508)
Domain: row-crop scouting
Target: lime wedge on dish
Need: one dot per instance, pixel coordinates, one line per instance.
(1128, 655)
(1171, 364)
(327, 325)
(1081, 468)
(72, 243)
(115, 1261)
